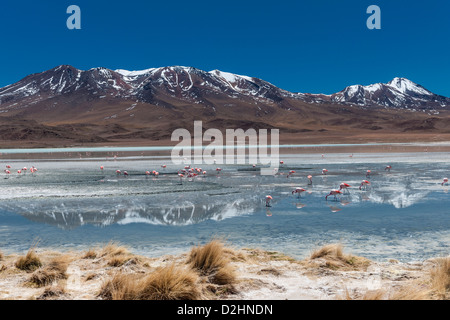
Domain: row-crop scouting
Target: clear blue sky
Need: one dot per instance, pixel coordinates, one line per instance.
(303, 46)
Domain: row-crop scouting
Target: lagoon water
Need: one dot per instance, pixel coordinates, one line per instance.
(72, 204)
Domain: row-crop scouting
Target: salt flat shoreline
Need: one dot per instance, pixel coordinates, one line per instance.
(329, 274)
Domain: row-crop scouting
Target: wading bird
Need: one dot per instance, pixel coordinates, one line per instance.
(310, 180)
(344, 186)
(324, 171)
(445, 181)
(268, 198)
(298, 191)
(333, 193)
(364, 184)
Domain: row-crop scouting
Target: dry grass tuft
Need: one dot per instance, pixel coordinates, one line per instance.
(90, 254)
(440, 278)
(120, 287)
(53, 293)
(211, 261)
(30, 262)
(411, 292)
(168, 283)
(1, 256)
(55, 270)
(334, 258)
(113, 249)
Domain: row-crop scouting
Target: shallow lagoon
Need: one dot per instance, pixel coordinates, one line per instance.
(72, 204)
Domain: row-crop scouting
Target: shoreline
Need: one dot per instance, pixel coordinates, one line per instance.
(328, 274)
(87, 153)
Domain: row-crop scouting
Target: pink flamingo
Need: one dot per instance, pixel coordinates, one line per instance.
(125, 173)
(118, 172)
(324, 171)
(368, 173)
(181, 176)
(445, 181)
(364, 184)
(268, 198)
(290, 173)
(344, 186)
(388, 168)
(333, 193)
(19, 171)
(310, 180)
(101, 168)
(298, 191)
(218, 170)
(8, 166)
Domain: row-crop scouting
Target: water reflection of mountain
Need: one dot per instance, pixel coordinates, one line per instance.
(72, 214)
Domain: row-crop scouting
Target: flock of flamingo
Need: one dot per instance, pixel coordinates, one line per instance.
(343, 187)
(191, 173)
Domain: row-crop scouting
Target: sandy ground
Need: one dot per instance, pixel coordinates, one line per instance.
(261, 275)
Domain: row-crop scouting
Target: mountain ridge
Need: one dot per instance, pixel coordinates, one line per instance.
(101, 105)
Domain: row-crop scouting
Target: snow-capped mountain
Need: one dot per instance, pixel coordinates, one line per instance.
(398, 93)
(166, 85)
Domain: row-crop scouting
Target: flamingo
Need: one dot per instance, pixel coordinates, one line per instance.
(218, 170)
(19, 171)
(204, 173)
(125, 173)
(368, 173)
(388, 168)
(163, 166)
(290, 173)
(333, 193)
(344, 186)
(156, 174)
(298, 191)
(118, 172)
(268, 198)
(364, 184)
(445, 181)
(101, 168)
(181, 177)
(310, 180)
(324, 171)
(8, 166)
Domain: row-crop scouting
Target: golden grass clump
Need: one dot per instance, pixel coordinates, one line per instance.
(30, 262)
(53, 293)
(90, 254)
(211, 261)
(55, 270)
(335, 258)
(440, 278)
(113, 249)
(167, 283)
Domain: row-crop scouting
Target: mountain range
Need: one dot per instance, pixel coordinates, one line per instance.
(66, 106)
